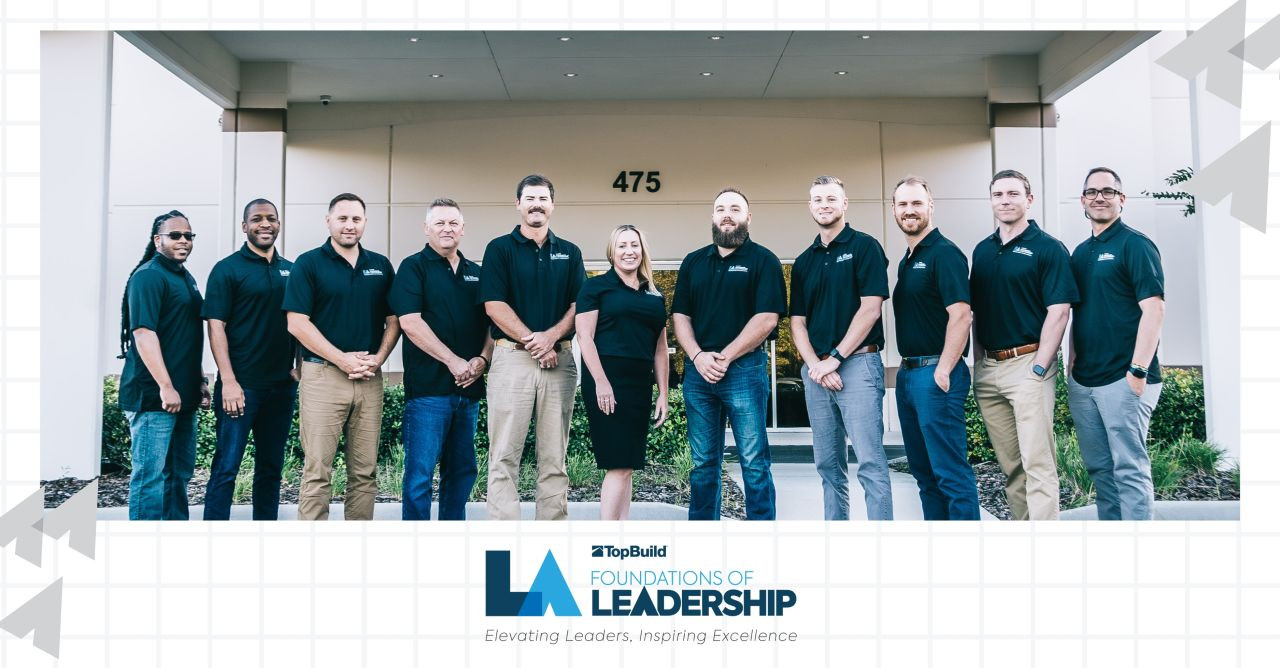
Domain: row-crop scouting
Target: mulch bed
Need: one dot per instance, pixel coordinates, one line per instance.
(113, 491)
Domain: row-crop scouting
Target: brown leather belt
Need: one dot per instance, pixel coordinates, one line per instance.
(1010, 353)
(873, 348)
(515, 345)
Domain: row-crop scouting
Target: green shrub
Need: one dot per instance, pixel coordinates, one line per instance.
(116, 439)
(1072, 476)
(1180, 410)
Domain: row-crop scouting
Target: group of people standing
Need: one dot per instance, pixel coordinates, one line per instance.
(317, 331)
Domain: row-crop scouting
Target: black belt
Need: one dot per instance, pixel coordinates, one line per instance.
(314, 360)
(918, 362)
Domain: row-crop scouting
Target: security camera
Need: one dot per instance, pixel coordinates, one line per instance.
(326, 99)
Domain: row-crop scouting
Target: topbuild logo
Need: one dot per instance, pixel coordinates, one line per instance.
(628, 552)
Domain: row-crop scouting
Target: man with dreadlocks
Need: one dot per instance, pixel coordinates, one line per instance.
(161, 341)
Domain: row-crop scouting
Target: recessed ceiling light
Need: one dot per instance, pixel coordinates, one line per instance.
(437, 76)
(715, 38)
(866, 37)
(565, 38)
(571, 74)
(707, 74)
(841, 73)
(413, 39)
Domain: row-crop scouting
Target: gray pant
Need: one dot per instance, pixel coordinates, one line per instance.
(1111, 425)
(856, 410)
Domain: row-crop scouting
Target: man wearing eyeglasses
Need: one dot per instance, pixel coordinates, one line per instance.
(1114, 374)
(255, 354)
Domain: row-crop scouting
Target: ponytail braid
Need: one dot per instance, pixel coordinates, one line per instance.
(149, 253)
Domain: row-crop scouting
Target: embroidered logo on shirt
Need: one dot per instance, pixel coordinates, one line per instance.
(471, 279)
(284, 272)
(737, 267)
(1103, 257)
(920, 265)
(1023, 251)
(842, 258)
(372, 272)
(559, 256)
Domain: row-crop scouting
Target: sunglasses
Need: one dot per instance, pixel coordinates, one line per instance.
(179, 235)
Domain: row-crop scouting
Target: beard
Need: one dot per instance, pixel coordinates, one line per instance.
(731, 239)
(917, 224)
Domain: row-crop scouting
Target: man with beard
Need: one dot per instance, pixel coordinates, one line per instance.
(336, 300)
(446, 352)
(729, 296)
(1113, 373)
(529, 286)
(257, 382)
(838, 285)
(1022, 288)
(931, 309)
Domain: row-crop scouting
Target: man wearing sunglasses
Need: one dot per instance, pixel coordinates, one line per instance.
(255, 355)
(1114, 374)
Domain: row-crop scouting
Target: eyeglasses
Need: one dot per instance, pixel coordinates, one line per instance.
(179, 235)
(1107, 193)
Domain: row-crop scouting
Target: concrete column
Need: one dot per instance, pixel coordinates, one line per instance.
(1215, 128)
(253, 167)
(75, 129)
(1022, 138)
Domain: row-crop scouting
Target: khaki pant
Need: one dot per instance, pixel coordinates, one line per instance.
(329, 406)
(520, 390)
(1017, 407)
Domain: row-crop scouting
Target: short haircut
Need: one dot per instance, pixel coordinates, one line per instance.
(732, 189)
(1011, 174)
(827, 180)
(912, 180)
(535, 180)
(346, 197)
(245, 216)
(1112, 172)
(443, 201)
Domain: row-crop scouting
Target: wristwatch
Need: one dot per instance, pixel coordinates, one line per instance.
(835, 352)
(1038, 370)
(1138, 371)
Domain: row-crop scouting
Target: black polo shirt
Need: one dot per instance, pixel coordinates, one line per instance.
(163, 298)
(720, 294)
(1114, 271)
(538, 283)
(1014, 284)
(628, 321)
(829, 282)
(347, 304)
(447, 301)
(245, 292)
(932, 278)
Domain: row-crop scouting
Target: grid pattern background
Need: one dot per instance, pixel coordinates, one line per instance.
(902, 594)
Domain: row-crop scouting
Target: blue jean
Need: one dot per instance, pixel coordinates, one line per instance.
(268, 413)
(164, 456)
(1111, 425)
(743, 397)
(439, 429)
(934, 437)
(857, 410)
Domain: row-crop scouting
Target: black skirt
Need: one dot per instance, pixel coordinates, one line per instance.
(619, 439)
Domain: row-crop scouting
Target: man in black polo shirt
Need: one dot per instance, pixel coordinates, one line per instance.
(336, 300)
(1022, 291)
(729, 296)
(529, 283)
(435, 297)
(838, 285)
(1114, 374)
(255, 355)
(931, 310)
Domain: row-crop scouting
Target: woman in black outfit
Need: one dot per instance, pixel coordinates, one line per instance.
(621, 324)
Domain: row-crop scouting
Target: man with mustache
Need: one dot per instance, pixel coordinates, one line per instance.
(931, 309)
(728, 298)
(336, 300)
(257, 383)
(445, 356)
(1022, 291)
(1114, 373)
(529, 285)
(838, 286)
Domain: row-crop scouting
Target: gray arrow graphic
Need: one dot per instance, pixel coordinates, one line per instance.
(41, 616)
(1262, 48)
(77, 515)
(1242, 173)
(1210, 47)
(19, 524)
